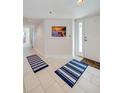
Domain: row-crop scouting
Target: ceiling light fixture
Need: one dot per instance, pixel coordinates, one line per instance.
(80, 2)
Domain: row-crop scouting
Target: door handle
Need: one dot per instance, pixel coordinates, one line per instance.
(85, 38)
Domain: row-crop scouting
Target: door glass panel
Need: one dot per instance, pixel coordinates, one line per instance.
(80, 46)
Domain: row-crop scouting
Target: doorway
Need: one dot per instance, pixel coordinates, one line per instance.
(87, 38)
(28, 36)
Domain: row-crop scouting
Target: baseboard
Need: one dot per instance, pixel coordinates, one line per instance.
(59, 56)
(54, 56)
(38, 52)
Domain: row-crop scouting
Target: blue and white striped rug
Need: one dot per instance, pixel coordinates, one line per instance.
(36, 63)
(71, 71)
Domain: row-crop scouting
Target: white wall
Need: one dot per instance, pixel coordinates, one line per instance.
(92, 32)
(49, 46)
(58, 46)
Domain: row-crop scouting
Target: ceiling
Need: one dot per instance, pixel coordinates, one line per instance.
(59, 8)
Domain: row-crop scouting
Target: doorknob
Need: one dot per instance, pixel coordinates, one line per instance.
(85, 38)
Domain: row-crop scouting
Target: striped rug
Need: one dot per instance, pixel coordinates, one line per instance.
(36, 63)
(71, 71)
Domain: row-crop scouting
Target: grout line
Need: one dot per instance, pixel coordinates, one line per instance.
(57, 82)
(41, 84)
(34, 75)
(24, 89)
(91, 82)
(82, 88)
(87, 81)
(54, 79)
(33, 88)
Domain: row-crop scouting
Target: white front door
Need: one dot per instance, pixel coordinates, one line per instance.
(92, 33)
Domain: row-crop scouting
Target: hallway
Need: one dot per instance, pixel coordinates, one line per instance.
(46, 81)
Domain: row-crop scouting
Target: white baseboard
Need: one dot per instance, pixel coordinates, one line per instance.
(58, 56)
(38, 52)
(54, 56)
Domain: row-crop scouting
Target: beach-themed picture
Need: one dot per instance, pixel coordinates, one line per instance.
(58, 31)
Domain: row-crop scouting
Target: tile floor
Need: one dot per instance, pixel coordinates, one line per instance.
(46, 81)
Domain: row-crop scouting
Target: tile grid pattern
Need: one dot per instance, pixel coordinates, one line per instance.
(51, 84)
(33, 83)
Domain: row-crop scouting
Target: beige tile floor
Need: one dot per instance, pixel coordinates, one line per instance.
(46, 81)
